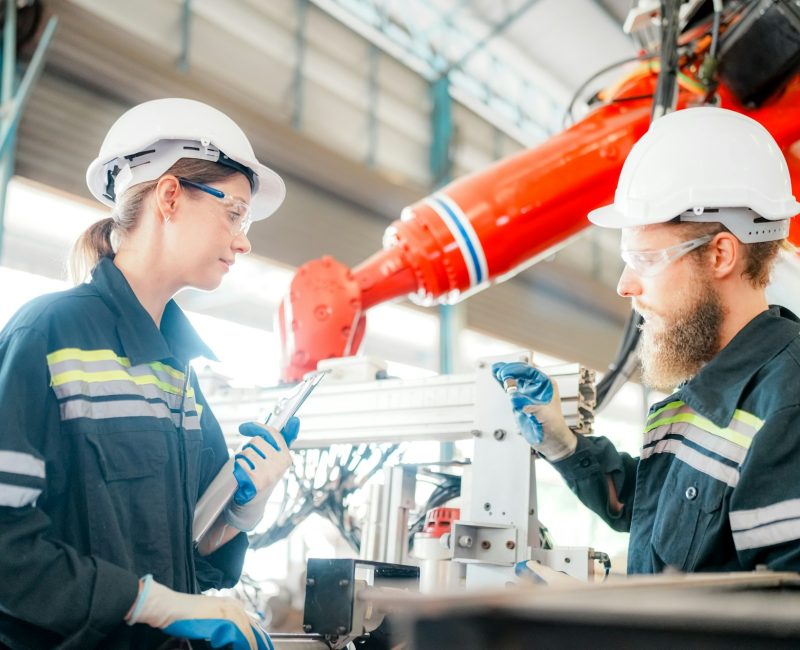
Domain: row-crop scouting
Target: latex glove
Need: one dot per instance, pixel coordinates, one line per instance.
(220, 621)
(258, 468)
(537, 408)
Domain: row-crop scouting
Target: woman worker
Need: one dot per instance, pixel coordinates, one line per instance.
(106, 441)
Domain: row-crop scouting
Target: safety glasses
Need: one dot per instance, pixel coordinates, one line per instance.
(238, 212)
(652, 262)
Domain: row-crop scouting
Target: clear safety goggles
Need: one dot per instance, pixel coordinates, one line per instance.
(649, 263)
(237, 212)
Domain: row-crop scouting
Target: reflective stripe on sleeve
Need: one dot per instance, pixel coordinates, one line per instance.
(16, 462)
(772, 524)
(28, 469)
(14, 496)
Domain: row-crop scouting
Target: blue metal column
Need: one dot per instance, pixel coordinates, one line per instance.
(372, 116)
(186, 36)
(441, 166)
(14, 103)
(6, 98)
(299, 67)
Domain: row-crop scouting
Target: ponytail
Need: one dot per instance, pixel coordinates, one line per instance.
(93, 245)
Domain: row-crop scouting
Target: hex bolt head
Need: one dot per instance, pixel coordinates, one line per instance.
(307, 627)
(341, 629)
(499, 434)
(310, 582)
(344, 582)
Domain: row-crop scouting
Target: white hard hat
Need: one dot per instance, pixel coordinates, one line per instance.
(695, 164)
(151, 137)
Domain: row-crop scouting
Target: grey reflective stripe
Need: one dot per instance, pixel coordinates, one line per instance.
(702, 438)
(103, 410)
(743, 427)
(14, 496)
(116, 388)
(777, 533)
(16, 462)
(692, 457)
(743, 519)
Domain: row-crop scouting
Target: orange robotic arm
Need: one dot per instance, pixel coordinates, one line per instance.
(487, 226)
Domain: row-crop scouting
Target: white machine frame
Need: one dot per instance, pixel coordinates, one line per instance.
(499, 525)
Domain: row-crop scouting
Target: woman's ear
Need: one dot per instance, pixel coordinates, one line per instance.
(166, 194)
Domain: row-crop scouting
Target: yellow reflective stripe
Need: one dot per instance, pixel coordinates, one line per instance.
(76, 354)
(116, 375)
(157, 365)
(706, 425)
(748, 418)
(199, 409)
(667, 407)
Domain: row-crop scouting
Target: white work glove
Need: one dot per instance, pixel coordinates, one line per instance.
(537, 408)
(220, 621)
(258, 468)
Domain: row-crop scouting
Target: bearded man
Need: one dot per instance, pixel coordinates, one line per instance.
(703, 202)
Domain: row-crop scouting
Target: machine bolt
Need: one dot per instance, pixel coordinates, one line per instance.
(465, 541)
(310, 582)
(510, 545)
(486, 545)
(344, 582)
(487, 506)
(499, 434)
(307, 627)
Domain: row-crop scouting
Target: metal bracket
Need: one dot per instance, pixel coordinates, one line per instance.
(484, 543)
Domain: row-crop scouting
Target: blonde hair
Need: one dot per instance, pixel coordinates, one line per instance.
(102, 238)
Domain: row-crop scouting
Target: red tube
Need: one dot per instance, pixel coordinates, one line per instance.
(487, 226)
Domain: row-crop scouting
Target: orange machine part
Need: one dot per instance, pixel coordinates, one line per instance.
(487, 226)
(438, 521)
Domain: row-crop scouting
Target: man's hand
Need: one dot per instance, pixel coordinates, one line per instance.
(220, 621)
(537, 408)
(258, 468)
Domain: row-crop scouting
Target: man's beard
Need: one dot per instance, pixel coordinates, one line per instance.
(674, 351)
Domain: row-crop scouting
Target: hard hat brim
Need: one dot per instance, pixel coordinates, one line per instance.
(608, 217)
(271, 193)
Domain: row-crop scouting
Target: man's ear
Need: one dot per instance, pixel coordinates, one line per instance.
(726, 253)
(166, 194)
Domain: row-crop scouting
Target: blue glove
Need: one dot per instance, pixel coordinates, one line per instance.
(222, 622)
(534, 388)
(258, 467)
(537, 408)
(219, 634)
(247, 488)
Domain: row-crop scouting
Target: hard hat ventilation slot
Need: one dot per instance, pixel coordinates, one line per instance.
(131, 156)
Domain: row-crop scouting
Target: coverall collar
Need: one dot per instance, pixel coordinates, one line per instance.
(142, 341)
(716, 390)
